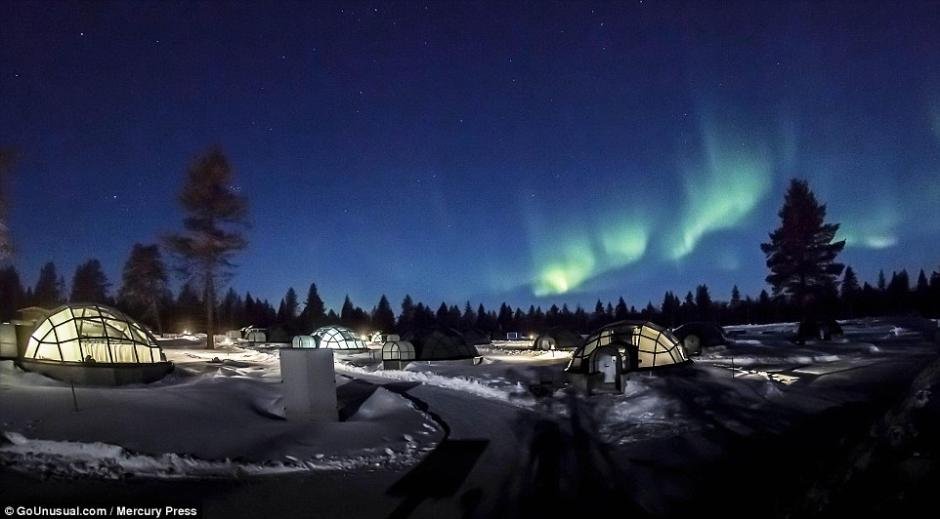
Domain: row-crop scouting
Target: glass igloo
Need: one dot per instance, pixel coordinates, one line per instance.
(338, 338)
(88, 342)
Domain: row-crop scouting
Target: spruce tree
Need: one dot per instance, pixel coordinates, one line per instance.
(849, 288)
(89, 284)
(922, 293)
(469, 318)
(231, 311)
(383, 318)
(849, 291)
(703, 301)
(346, 313)
(49, 291)
(144, 284)
(216, 216)
(187, 309)
(620, 312)
(6, 167)
(314, 313)
(290, 304)
(406, 319)
(11, 293)
(801, 253)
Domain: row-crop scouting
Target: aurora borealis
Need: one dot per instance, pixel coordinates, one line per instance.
(532, 153)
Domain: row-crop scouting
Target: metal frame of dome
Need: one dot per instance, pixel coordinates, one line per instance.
(641, 344)
(94, 344)
(343, 338)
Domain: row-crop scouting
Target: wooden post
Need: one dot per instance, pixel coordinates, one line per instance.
(74, 397)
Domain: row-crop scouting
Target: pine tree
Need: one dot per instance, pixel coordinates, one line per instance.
(849, 288)
(671, 308)
(480, 323)
(89, 284)
(11, 293)
(703, 302)
(6, 167)
(50, 289)
(383, 318)
(597, 317)
(144, 284)
(232, 310)
(934, 294)
(922, 293)
(346, 313)
(187, 308)
(899, 292)
(849, 291)
(764, 307)
(620, 312)
(441, 314)
(469, 318)
(314, 313)
(406, 319)
(251, 311)
(212, 230)
(291, 305)
(801, 253)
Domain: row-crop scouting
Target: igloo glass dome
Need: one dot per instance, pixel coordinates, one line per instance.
(92, 333)
(96, 345)
(338, 338)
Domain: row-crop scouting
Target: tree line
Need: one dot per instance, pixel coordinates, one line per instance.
(144, 293)
(805, 279)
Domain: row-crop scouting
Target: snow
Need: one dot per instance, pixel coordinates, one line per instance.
(230, 413)
(664, 425)
(465, 384)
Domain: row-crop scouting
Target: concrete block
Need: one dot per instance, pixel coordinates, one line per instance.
(309, 384)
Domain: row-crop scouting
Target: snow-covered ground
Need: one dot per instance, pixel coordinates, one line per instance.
(511, 420)
(219, 414)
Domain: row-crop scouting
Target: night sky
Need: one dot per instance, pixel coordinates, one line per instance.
(527, 152)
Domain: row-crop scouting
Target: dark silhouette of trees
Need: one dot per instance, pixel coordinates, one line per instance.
(621, 313)
(313, 315)
(144, 285)
(469, 318)
(849, 292)
(383, 318)
(187, 309)
(212, 229)
(406, 319)
(50, 287)
(12, 295)
(801, 253)
(703, 303)
(7, 157)
(232, 311)
(89, 284)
